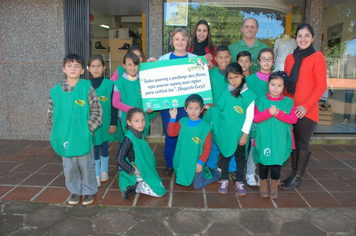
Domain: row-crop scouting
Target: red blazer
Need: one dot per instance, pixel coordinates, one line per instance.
(311, 83)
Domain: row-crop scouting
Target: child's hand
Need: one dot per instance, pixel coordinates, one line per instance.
(151, 59)
(243, 139)
(206, 106)
(273, 110)
(149, 111)
(173, 113)
(112, 129)
(199, 168)
(275, 114)
(136, 171)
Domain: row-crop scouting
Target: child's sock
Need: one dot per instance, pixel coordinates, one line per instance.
(97, 167)
(104, 164)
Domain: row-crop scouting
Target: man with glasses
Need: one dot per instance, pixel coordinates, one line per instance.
(249, 42)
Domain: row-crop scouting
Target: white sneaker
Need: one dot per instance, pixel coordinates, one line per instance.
(345, 121)
(104, 176)
(98, 182)
(250, 180)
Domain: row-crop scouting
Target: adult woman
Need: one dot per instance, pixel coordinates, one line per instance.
(180, 40)
(201, 43)
(307, 70)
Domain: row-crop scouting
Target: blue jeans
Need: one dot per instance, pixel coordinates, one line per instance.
(349, 94)
(213, 159)
(170, 142)
(104, 150)
(200, 182)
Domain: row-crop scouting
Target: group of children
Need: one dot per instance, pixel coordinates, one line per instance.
(250, 117)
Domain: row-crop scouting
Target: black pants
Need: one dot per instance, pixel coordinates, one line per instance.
(240, 164)
(275, 171)
(303, 130)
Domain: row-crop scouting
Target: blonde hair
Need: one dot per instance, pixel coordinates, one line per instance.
(185, 34)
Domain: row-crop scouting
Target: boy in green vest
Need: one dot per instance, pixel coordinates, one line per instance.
(244, 58)
(193, 146)
(75, 112)
(218, 85)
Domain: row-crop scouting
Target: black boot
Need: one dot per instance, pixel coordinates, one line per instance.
(293, 159)
(128, 192)
(99, 46)
(303, 159)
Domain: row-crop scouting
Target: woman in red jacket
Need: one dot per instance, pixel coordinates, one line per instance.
(307, 71)
(201, 43)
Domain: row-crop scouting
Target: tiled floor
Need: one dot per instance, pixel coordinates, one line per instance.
(31, 171)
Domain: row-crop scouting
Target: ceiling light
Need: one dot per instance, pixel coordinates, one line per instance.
(105, 26)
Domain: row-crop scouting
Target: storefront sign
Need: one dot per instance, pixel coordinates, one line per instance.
(177, 12)
(166, 84)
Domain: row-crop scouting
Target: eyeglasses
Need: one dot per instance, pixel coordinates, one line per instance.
(266, 60)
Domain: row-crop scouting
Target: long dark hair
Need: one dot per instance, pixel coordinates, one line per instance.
(93, 58)
(235, 68)
(210, 42)
(303, 26)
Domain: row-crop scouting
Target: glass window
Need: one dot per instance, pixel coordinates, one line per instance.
(338, 107)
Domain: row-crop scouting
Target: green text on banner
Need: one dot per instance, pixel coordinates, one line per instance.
(166, 84)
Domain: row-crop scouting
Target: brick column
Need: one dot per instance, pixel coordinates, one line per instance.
(314, 11)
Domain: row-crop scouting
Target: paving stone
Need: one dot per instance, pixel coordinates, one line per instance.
(72, 226)
(257, 221)
(30, 232)
(46, 216)
(114, 222)
(223, 215)
(84, 212)
(10, 223)
(188, 222)
(225, 228)
(331, 221)
(146, 228)
(145, 214)
(300, 228)
(20, 207)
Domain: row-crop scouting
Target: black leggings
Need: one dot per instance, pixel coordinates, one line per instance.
(303, 130)
(275, 171)
(240, 164)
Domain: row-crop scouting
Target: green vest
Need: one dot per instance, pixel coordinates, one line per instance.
(119, 134)
(130, 92)
(145, 163)
(259, 88)
(104, 92)
(218, 84)
(120, 71)
(189, 148)
(227, 119)
(70, 133)
(273, 137)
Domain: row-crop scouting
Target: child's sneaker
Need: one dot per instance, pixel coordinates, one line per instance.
(104, 176)
(73, 199)
(240, 188)
(98, 182)
(223, 189)
(88, 199)
(250, 180)
(129, 192)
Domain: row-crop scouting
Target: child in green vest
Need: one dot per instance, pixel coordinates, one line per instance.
(218, 85)
(75, 113)
(136, 162)
(193, 146)
(231, 120)
(127, 92)
(106, 132)
(274, 114)
(258, 84)
(244, 58)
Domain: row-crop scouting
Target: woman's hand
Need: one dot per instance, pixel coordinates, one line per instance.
(199, 168)
(173, 113)
(112, 129)
(208, 57)
(300, 111)
(151, 59)
(243, 139)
